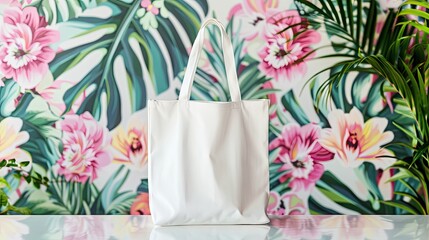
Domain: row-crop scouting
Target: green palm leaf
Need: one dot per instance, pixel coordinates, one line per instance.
(398, 56)
(352, 23)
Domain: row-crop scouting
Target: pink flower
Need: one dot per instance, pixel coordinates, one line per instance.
(24, 46)
(301, 155)
(86, 148)
(355, 141)
(147, 4)
(288, 46)
(253, 13)
(287, 204)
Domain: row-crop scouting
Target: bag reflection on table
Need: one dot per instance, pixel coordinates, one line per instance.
(210, 232)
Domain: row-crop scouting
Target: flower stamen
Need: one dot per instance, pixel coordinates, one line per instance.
(20, 53)
(352, 141)
(256, 21)
(281, 53)
(136, 145)
(298, 164)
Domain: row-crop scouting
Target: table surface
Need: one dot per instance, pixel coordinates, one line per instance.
(287, 227)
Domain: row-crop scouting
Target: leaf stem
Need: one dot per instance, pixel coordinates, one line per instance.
(117, 39)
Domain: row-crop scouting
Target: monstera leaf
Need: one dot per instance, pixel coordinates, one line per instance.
(127, 56)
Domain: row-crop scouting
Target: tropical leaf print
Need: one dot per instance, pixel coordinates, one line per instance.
(366, 97)
(75, 198)
(357, 29)
(353, 22)
(210, 80)
(110, 199)
(94, 63)
(60, 11)
(38, 120)
(332, 187)
(141, 54)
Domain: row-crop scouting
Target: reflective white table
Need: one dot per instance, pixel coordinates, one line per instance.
(141, 227)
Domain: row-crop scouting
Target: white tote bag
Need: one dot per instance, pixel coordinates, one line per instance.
(208, 161)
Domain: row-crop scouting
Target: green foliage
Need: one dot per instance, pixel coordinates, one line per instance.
(6, 207)
(400, 56)
(75, 198)
(16, 169)
(214, 87)
(111, 200)
(3, 182)
(38, 121)
(4, 200)
(125, 40)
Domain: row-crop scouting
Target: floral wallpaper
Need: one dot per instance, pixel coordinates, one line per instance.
(76, 74)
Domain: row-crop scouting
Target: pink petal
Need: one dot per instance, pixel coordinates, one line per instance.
(32, 18)
(308, 38)
(276, 143)
(154, 11)
(320, 153)
(13, 16)
(316, 174)
(310, 133)
(355, 117)
(334, 137)
(290, 133)
(104, 158)
(30, 76)
(46, 36)
(47, 55)
(145, 3)
(235, 11)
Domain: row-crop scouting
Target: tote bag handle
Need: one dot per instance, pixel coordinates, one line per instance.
(228, 55)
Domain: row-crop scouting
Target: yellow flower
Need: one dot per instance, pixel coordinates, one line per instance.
(130, 143)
